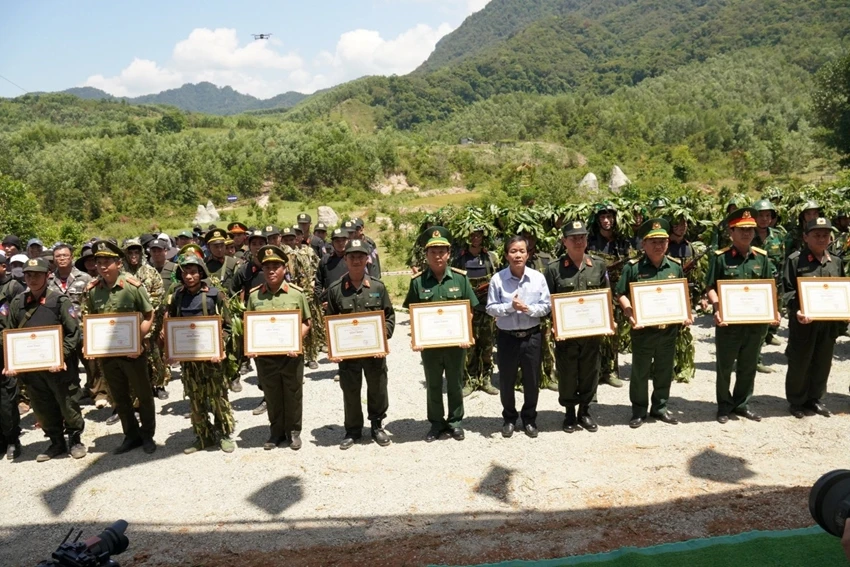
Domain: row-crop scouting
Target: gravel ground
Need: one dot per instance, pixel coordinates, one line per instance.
(486, 498)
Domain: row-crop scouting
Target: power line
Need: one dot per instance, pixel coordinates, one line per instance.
(14, 83)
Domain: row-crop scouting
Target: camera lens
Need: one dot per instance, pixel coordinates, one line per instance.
(829, 501)
(111, 541)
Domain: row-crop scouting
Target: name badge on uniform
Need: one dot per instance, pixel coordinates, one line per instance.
(375, 295)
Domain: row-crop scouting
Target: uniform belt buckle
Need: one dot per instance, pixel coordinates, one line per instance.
(662, 327)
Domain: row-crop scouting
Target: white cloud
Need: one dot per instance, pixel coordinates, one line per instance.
(262, 69)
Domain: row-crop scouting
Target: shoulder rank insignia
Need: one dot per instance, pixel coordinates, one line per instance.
(92, 284)
(673, 259)
(295, 287)
(132, 281)
(634, 261)
(459, 271)
(416, 275)
(366, 282)
(722, 251)
(758, 250)
(588, 261)
(253, 289)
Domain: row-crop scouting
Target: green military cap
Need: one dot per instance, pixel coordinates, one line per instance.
(764, 205)
(229, 240)
(297, 229)
(37, 265)
(132, 243)
(654, 228)
(358, 222)
(348, 225)
(192, 250)
(215, 235)
(304, 218)
(574, 228)
(819, 222)
(271, 230)
(192, 260)
(438, 236)
(320, 227)
(356, 245)
(271, 253)
(287, 231)
(741, 218)
(339, 233)
(105, 248)
(185, 234)
(257, 234)
(159, 243)
(237, 227)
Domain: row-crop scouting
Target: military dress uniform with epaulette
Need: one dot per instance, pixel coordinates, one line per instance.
(738, 346)
(123, 373)
(577, 360)
(344, 298)
(425, 287)
(281, 376)
(54, 395)
(653, 348)
(10, 417)
(810, 347)
(479, 358)
(205, 383)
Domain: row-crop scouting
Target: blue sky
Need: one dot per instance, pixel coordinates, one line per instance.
(129, 48)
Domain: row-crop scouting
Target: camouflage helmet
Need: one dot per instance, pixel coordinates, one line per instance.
(605, 207)
(774, 194)
(809, 205)
(191, 260)
(764, 205)
(659, 203)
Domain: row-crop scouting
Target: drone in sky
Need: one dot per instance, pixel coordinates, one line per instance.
(261, 35)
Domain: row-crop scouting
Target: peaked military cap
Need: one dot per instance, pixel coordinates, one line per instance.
(237, 228)
(215, 235)
(574, 228)
(654, 228)
(358, 222)
(297, 229)
(339, 233)
(257, 234)
(819, 222)
(356, 245)
(271, 230)
(159, 243)
(107, 249)
(192, 249)
(185, 234)
(348, 225)
(320, 226)
(39, 265)
(271, 253)
(287, 231)
(741, 218)
(437, 236)
(305, 218)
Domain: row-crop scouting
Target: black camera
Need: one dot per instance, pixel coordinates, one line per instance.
(93, 552)
(829, 501)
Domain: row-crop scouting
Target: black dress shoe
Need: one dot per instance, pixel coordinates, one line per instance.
(348, 441)
(819, 408)
(457, 434)
(148, 446)
(272, 443)
(636, 422)
(508, 429)
(666, 418)
(129, 444)
(748, 414)
(570, 420)
(113, 419)
(586, 420)
(722, 418)
(433, 435)
(530, 430)
(798, 412)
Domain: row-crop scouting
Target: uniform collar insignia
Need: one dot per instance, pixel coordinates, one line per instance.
(366, 281)
(285, 287)
(347, 284)
(567, 263)
(588, 261)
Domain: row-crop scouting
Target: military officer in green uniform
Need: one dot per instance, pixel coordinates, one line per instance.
(281, 376)
(479, 264)
(357, 292)
(737, 346)
(10, 417)
(54, 393)
(221, 266)
(771, 241)
(577, 360)
(439, 282)
(117, 292)
(810, 343)
(653, 348)
(204, 383)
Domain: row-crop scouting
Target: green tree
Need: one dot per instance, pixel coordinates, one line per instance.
(20, 209)
(831, 102)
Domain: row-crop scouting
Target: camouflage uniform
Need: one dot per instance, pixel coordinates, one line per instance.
(684, 368)
(302, 264)
(159, 373)
(548, 376)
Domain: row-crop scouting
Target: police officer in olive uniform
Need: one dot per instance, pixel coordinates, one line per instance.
(738, 346)
(221, 266)
(479, 264)
(810, 343)
(116, 292)
(281, 376)
(10, 417)
(653, 348)
(54, 394)
(577, 360)
(439, 282)
(770, 240)
(357, 292)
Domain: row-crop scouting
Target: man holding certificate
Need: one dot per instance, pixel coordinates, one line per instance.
(281, 375)
(653, 348)
(518, 298)
(577, 359)
(810, 342)
(53, 393)
(357, 292)
(204, 382)
(436, 283)
(738, 345)
(116, 292)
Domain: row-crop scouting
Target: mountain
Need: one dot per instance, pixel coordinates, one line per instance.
(202, 97)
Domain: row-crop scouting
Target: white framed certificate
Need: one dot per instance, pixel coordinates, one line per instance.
(582, 314)
(193, 339)
(660, 302)
(34, 348)
(747, 301)
(269, 333)
(824, 299)
(356, 335)
(112, 334)
(441, 324)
